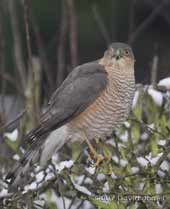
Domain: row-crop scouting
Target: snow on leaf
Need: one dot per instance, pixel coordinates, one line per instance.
(156, 96)
(64, 164)
(101, 177)
(31, 186)
(162, 142)
(165, 82)
(158, 188)
(135, 99)
(3, 192)
(123, 162)
(81, 188)
(16, 157)
(153, 160)
(40, 176)
(142, 161)
(91, 170)
(12, 136)
(135, 169)
(165, 165)
(106, 187)
(124, 137)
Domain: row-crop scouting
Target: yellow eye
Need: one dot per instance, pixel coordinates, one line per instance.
(126, 52)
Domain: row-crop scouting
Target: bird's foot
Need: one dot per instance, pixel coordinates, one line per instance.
(96, 159)
(99, 159)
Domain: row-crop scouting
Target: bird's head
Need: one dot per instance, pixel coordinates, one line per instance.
(118, 55)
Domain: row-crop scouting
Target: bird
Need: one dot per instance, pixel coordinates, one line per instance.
(93, 100)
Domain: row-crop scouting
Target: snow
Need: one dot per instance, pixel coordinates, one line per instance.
(64, 164)
(165, 165)
(161, 173)
(144, 136)
(81, 188)
(135, 169)
(49, 176)
(113, 176)
(124, 137)
(40, 176)
(91, 170)
(115, 158)
(12, 136)
(3, 192)
(161, 142)
(123, 162)
(156, 96)
(88, 181)
(153, 160)
(127, 124)
(135, 99)
(16, 157)
(149, 159)
(79, 179)
(111, 142)
(142, 161)
(106, 187)
(31, 186)
(158, 188)
(101, 177)
(165, 82)
(151, 125)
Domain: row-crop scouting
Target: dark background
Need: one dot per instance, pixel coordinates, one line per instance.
(65, 33)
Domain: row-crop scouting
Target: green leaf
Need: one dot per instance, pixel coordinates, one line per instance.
(154, 144)
(135, 132)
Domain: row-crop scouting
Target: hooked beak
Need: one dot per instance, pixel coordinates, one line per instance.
(117, 54)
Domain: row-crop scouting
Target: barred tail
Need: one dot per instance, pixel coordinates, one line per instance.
(18, 177)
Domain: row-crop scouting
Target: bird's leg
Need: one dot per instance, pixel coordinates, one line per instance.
(98, 157)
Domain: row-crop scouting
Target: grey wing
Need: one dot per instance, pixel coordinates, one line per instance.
(77, 92)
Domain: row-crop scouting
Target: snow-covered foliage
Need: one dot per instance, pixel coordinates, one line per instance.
(136, 163)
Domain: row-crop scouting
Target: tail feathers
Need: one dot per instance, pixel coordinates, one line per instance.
(19, 175)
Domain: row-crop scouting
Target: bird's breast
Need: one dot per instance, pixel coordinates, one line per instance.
(108, 111)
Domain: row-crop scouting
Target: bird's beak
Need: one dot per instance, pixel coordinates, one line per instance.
(117, 54)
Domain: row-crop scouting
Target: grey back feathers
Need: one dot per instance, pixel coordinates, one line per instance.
(77, 92)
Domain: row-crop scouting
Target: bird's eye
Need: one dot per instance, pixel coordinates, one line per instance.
(126, 51)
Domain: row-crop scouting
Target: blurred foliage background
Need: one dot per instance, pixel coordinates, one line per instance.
(41, 41)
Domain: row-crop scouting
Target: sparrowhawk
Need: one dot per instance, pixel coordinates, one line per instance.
(95, 98)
